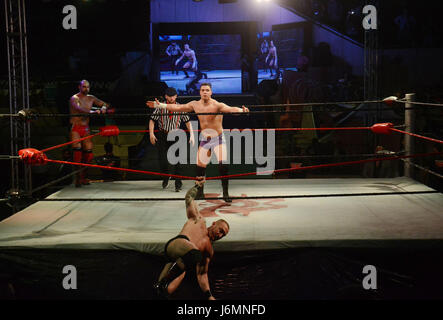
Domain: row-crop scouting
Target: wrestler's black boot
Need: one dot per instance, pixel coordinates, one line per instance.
(223, 169)
(226, 197)
(200, 172)
(160, 289)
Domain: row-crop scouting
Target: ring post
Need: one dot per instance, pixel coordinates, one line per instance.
(409, 127)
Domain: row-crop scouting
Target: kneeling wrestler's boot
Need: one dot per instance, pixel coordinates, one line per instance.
(160, 290)
(161, 287)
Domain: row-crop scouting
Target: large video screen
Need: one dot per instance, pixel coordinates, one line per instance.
(188, 60)
(280, 50)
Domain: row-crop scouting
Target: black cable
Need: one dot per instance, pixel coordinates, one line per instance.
(249, 197)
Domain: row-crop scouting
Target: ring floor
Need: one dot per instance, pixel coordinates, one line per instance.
(276, 223)
(313, 246)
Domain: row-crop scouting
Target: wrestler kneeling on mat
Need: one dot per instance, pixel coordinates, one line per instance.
(191, 251)
(212, 131)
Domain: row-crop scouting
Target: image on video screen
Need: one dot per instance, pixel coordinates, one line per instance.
(278, 51)
(188, 60)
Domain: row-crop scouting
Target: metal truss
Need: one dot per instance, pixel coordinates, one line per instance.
(370, 72)
(15, 15)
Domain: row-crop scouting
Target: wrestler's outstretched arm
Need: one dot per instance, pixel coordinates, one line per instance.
(188, 107)
(227, 109)
(191, 207)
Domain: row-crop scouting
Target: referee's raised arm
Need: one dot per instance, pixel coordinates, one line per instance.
(168, 120)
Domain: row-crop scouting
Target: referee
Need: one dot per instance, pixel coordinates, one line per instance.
(173, 51)
(166, 122)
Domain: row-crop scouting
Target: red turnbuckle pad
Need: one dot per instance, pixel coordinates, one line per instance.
(382, 128)
(109, 131)
(32, 156)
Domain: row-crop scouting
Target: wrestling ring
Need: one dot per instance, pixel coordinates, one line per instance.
(290, 238)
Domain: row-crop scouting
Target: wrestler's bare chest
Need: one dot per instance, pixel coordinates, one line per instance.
(85, 103)
(208, 121)
(188, 54)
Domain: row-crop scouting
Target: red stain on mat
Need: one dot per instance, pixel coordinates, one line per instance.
(210, 208)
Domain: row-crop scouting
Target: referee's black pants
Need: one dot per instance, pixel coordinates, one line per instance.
(163, 145)
(172, 60)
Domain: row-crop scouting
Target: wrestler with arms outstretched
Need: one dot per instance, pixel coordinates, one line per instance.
(212, 131)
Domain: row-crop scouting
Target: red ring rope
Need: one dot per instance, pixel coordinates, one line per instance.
(249, 173)
(327, 165)
(266, 129)
(120, 169)
(68, 143)
(387, 127)
(418, 136)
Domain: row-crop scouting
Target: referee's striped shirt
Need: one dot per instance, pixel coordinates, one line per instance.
(167, 120)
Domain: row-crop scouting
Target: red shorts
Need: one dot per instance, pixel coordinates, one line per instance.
(82, 130)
